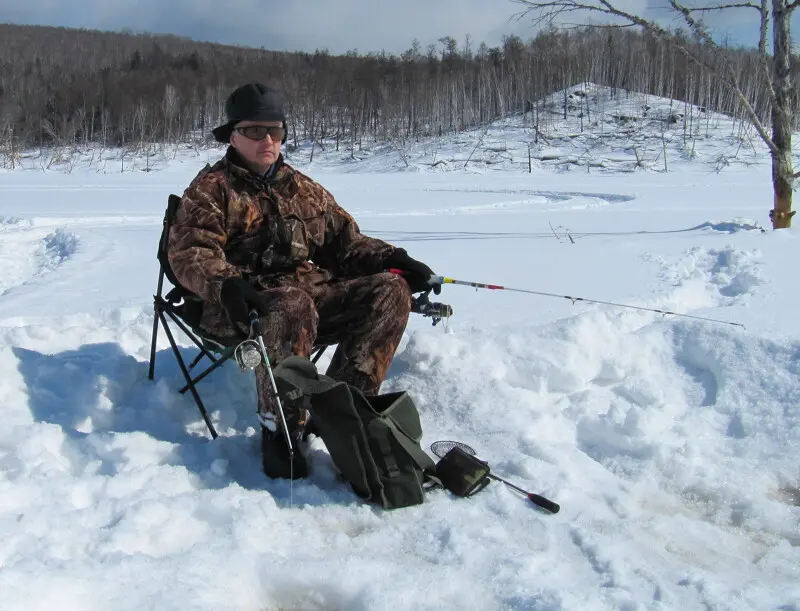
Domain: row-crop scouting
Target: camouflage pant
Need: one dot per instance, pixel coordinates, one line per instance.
(365, 316)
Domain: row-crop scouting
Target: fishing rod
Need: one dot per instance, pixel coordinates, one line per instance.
(249, 354)
(496, 287)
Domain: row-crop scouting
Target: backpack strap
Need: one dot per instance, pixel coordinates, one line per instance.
(419, 455)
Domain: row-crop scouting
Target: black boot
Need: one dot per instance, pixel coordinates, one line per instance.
(274, 450)
(275, 454)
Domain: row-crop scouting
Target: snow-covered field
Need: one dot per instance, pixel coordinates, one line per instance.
(670, 443)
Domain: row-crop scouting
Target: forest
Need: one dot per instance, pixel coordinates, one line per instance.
(73, 88)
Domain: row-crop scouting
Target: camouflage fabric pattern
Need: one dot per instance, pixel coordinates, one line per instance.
(320, 278)
(365, 317)
(231, 222)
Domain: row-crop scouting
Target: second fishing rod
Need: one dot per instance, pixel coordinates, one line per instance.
(440, 280)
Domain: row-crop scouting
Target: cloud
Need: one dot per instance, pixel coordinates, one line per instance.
(366, 25)
(339, 26)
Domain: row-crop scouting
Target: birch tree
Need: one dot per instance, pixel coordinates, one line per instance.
(773, 19)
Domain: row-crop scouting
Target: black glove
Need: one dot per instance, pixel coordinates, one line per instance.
(416, 273)
(238, 297)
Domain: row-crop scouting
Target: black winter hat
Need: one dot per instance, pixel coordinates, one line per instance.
(250, 102)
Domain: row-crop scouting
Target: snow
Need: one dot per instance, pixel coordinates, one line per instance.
(671, 443)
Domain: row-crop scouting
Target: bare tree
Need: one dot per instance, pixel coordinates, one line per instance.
(777, 68)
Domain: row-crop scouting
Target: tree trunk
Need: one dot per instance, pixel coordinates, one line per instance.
(781, 214)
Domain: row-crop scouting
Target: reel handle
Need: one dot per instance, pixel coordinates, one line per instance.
(256, 328)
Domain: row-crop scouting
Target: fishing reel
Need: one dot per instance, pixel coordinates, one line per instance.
(248, 353)
(432, 309)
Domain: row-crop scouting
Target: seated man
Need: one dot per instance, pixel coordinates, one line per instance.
(251, 232)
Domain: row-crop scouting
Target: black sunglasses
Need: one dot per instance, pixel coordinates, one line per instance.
(259, 132)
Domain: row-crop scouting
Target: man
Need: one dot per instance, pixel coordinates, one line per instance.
(251, 232)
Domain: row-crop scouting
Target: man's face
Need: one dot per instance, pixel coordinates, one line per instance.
(258, 142)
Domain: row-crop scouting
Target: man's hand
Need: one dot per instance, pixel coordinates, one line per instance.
(416, 273)
(238, 297)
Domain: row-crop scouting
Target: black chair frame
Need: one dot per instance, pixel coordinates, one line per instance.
(176, 306)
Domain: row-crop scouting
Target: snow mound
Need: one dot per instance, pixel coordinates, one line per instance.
(678, 415)
(57, 247)
(733, 273)
(587, 128)
(27, 254)
(710, 277)
(13, 222)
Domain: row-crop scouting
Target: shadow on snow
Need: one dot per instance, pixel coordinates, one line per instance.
(97, 392)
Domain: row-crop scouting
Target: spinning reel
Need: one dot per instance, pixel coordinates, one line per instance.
(248, 354)
(432, 309)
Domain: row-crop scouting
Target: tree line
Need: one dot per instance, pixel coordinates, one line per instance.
(67, 87)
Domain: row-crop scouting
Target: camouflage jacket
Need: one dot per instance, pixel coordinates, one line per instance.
(286, 229)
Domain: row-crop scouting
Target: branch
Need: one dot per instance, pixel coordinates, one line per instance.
(549, 10)
(721, 7)
(792, 6)
(598, 26)
(695, 26)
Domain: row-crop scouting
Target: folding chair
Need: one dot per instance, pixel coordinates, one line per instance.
(185, 309)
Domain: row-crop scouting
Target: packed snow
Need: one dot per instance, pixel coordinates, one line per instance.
(670, 443)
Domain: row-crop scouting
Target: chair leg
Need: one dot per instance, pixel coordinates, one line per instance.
(191, 336)
(196, 360)
(211, 368)
(320, 351)
(188, 377)
(153, 343)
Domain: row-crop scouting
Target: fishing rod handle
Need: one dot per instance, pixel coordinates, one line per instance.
(544, 503)
(432, 281)
(536, 499)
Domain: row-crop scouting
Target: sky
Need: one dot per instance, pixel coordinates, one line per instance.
(670, 443)
(307, 25)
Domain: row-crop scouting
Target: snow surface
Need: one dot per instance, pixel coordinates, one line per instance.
(670, 443)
